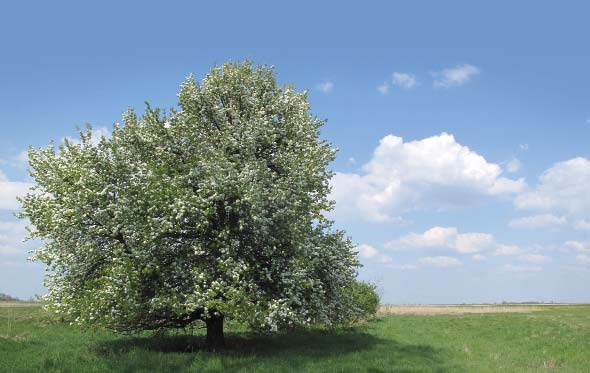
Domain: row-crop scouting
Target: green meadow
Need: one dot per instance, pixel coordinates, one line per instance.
(539, 339)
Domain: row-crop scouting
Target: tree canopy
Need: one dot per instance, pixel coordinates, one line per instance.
(212, 211)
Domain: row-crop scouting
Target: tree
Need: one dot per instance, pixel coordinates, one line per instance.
(6, 297)
(214, 211)
(364, 298)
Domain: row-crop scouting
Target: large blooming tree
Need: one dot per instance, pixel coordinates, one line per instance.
(213, 211)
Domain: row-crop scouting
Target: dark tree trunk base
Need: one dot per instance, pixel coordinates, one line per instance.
(215, 338)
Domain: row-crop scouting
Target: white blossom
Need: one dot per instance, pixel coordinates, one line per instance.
(215, 209)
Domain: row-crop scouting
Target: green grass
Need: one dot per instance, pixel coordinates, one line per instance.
(557, 337)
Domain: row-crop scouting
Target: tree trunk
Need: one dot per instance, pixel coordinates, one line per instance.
(215, 338)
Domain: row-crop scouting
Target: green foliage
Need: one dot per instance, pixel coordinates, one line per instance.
(213, 210)
(557, 337)
(364, 298)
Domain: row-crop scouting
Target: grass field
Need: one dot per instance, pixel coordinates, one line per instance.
(429, 339)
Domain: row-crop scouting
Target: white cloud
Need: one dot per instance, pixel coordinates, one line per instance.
(520, 268)
(434, 237)
(441, 237)
(524, 147)
(583, 259)
(10, 190)
(582, 225)
(370, 253)
(404, 80)
(448, 238)
(562, 188)
(514, 165)
(7, 250)
(578, 245)
(506, 250)
(383, 88)
(386, 260)
(352, 160)
(355, 197)
(440, 261)
(473, 242)
(96, 135)
(12, 234)
(12, 227)
(21, 160)
(534, 258)
(433, 173)
(454, 77)
(479, 258)
(367, 251)
(325, 87)
(537, 221)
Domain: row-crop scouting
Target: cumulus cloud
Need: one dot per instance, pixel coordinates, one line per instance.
(562, 188)
(19, 160)
(472, 242)
(433, 173)
(455, 76)
(441, 237)
(366, 251)
(434, 237)
(370, 253)
(534, 258)
(448, 238)
(96, 134)
(520, 268)
(325, 87)
(403, 80)
(479, 258)
(12, 234)
(514, 165)
(506, 250)
(440, 261)
(10, 190)
(582, 225)
(537, 221)
(578, 245)
(383, 88)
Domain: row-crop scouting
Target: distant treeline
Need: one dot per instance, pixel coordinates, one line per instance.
(6, 297)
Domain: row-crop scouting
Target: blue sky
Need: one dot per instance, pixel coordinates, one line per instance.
(463, 128)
